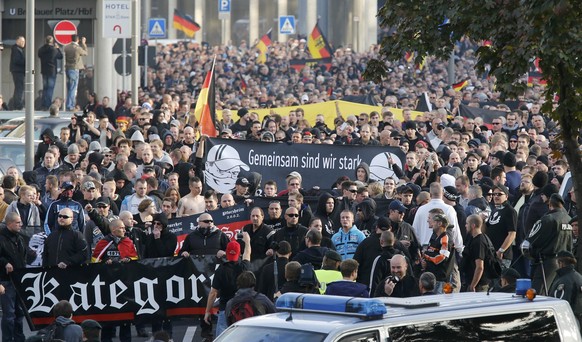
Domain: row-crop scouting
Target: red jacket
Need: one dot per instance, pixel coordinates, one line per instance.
(107, 249)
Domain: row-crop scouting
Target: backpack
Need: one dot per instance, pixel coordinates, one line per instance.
(308, 278)
(491, 264)
(244, 307)
(52, 332)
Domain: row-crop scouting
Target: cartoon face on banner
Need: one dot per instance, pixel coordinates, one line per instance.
(223, 165)
(380, 166)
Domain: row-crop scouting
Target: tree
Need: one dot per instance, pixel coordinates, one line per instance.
(519, 31)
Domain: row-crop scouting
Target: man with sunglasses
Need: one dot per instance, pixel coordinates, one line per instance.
(205, 239)
(502, 224)
(292, 232)
(101, 217)
(65, 246)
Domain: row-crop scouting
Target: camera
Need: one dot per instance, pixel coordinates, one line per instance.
(441, 126)
(239, 236)
(394, 279)
(274, 246)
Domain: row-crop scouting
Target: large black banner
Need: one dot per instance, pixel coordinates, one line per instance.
(146, 289)
(319, 165)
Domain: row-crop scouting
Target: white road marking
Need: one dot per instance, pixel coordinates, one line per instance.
(189, 335)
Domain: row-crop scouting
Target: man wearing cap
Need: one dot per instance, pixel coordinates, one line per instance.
(241, 189)
(568, 283)
(65, 201)
(72, 159)
(551, 234)
(91, 331)
(502, 224)
(224, 282)
(100, 216)
(405, 238)
(90, 193)
(329, 271)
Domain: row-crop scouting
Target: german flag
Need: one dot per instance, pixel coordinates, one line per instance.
(184, 23)
(317, 44)
(243, 83)
(409, 57)
(205, 106)
(263, 47)
(460, 85)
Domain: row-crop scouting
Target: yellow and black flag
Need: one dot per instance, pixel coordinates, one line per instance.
(460, 85)
(317, 44)
(263, 47)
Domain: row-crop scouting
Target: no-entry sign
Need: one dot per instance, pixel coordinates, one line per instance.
(64, 31)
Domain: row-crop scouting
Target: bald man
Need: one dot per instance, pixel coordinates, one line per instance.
(64, 246)
(399, 283)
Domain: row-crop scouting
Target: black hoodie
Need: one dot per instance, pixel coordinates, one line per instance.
(367, 224)
(44, 146)
(328, 220)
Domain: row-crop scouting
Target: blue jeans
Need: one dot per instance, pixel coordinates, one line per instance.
(72, 83)
(48, 88)
(221, 324)
(12, 315)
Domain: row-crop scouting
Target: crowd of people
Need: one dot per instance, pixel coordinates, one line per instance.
(104, 189)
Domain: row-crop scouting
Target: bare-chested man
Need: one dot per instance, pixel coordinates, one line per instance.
(193, 203)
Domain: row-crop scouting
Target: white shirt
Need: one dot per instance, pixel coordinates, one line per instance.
(424, 232)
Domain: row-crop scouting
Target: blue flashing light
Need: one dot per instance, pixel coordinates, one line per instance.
(521, 286)
(367, 308)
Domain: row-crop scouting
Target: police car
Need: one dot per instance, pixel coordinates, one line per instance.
(449, 317)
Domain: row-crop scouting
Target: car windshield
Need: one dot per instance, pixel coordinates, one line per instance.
(264, 334)
(39, 127)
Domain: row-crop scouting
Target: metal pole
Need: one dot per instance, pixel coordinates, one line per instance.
(145, 66)
(451, 68)
(135, 34)
(64, 72)
(123, 71)
(29, 86)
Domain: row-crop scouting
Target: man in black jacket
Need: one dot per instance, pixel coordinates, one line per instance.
(293, 232)
(267, 284)
(64, 246)
(568, 283)
(399, 284)
(17, 68)
(314, 253)
(49, 53)
(551, 234)
(13, 254)
(261, 234)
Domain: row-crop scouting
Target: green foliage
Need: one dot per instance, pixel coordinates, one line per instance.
(519, 31)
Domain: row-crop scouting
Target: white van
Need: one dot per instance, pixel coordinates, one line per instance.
(450, 317)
